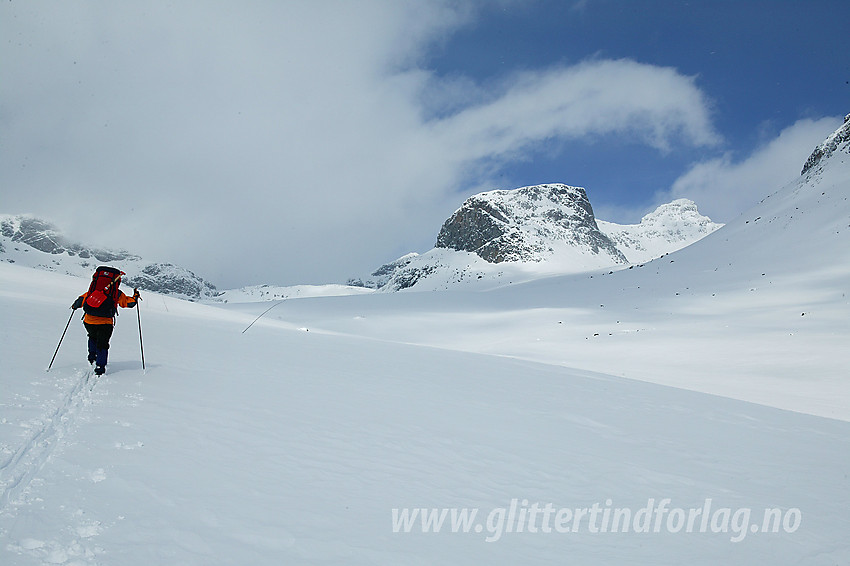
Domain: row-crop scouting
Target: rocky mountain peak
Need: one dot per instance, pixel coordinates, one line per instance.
(837, 141)
(45, 237)
(503, 236)
(34, 242)
(523, 224)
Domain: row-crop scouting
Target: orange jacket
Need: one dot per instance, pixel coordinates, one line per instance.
(123, 301)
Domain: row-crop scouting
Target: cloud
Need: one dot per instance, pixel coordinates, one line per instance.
(284, 142)
(653, 104)
(724, 187)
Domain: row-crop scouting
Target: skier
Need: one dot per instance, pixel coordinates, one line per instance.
(100, 304)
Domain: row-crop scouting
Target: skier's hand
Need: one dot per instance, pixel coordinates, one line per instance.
(77, 304)
(136, 295)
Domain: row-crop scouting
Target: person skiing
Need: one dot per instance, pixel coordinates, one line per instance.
(100, 304)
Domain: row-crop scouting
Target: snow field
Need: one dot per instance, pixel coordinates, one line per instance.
(758, 310)
(285, 446)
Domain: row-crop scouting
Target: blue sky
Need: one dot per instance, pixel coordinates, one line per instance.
(763, 65)
(310, 141)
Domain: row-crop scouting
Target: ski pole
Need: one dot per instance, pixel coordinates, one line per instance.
(139, 316)
(60, 340)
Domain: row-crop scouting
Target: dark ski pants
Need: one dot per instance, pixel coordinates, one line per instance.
(99, 335)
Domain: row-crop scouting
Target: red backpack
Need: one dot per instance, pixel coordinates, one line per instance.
(102, 299)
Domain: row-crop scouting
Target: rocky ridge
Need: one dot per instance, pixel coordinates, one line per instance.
(526, 224)
(34, 242)
(829, 146)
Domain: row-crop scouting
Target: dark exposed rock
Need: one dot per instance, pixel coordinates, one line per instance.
(523, 224)
(407, 277)
(45, 237)
(172, 280)
(36, 234)
(829, 146)
(383, 274)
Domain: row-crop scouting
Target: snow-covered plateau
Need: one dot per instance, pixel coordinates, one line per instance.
(694, 409)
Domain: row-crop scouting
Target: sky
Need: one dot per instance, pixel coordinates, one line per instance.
(309, 142)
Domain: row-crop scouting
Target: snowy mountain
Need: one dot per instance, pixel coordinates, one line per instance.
(495, 238)
(500, 237)
(42, 236)
(694, 409)
(33, 242)
(527, 224)
(669, 228)
(830, 145)
(760, 305)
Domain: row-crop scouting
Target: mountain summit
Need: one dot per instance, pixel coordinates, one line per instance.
(539, 230)
(668, 228)
(527, 224)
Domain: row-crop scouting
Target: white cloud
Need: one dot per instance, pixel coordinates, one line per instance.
(282, 142)
(724, 187)
(654, 104)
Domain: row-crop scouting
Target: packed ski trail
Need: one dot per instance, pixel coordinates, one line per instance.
(283, 446)
(18, 470)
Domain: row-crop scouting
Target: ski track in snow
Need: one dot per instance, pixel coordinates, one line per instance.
(18, 470)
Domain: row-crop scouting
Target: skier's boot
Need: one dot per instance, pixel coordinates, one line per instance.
(100, 362)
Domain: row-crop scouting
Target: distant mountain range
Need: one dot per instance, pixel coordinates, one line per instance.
(494, 238)
(33, 242)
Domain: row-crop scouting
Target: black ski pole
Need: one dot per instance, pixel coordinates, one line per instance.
(60, 340)
(139, 316)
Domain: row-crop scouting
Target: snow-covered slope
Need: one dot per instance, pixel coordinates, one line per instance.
(326, 432)
(280, 446)
(761, 306)
(256, 293)
(529, 224)
(668, 228)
